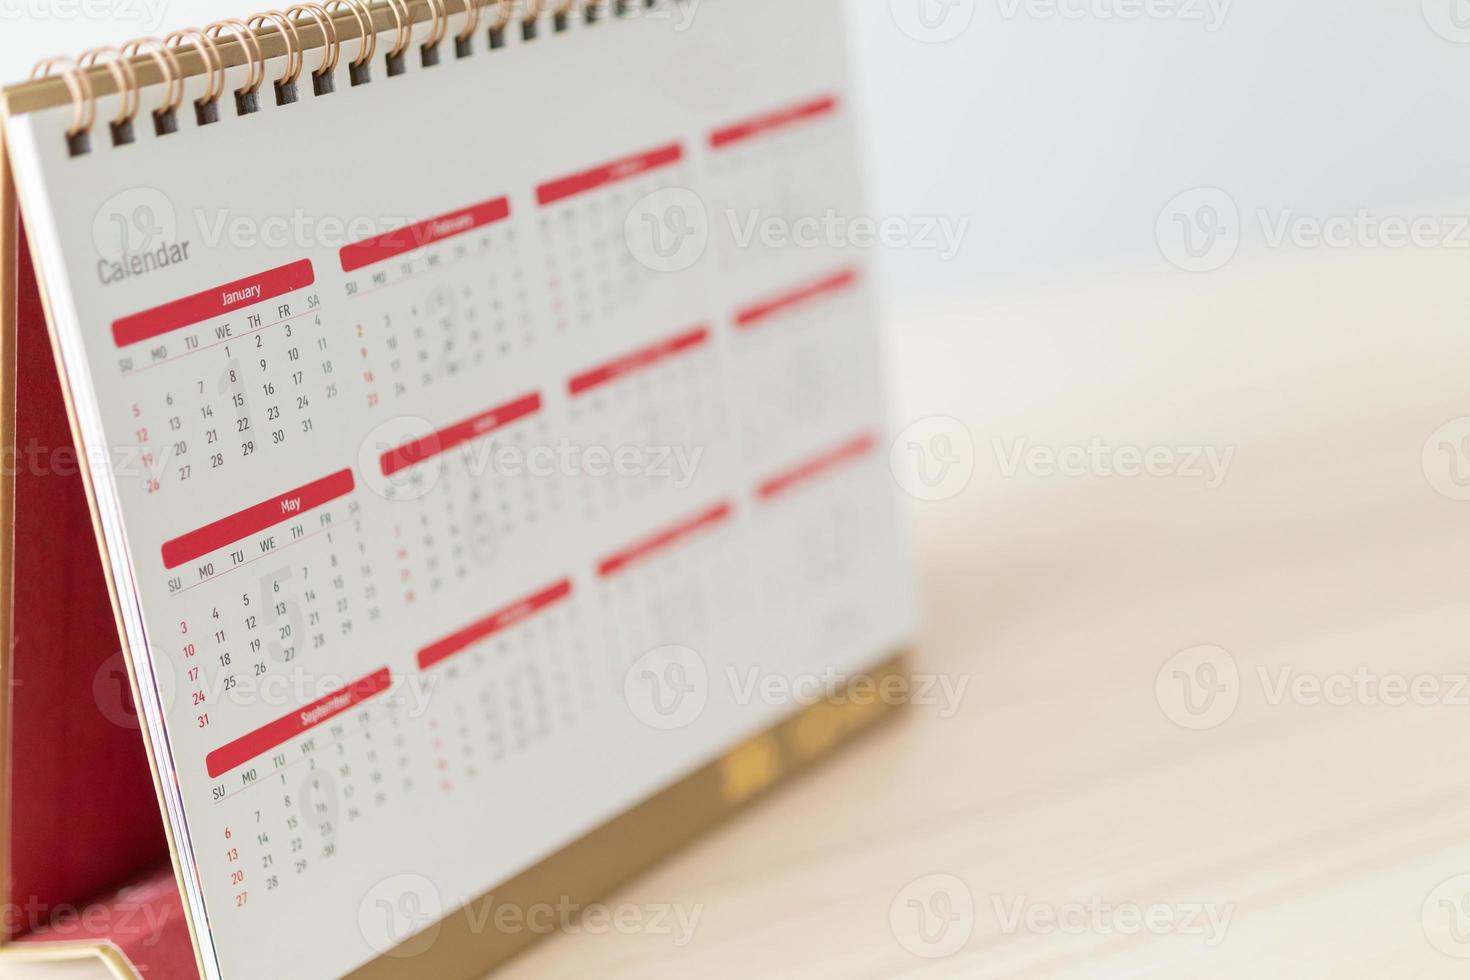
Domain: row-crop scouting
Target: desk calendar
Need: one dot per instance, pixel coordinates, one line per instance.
(440, 457)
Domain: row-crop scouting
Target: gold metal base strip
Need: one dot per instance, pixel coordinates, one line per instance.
(467, 943)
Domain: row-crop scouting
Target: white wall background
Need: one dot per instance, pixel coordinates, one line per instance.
(1063, 138)
(1060, 128)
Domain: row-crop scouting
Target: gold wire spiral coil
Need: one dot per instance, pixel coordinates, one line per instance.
(330, 42)
(403, 24)
(84, 106)
(252, 43)
(209, 54)
(168, 67)
(367, 37)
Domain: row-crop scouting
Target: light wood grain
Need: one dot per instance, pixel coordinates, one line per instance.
(1322, 830)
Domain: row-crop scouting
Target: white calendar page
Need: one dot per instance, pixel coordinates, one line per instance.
(350, 427)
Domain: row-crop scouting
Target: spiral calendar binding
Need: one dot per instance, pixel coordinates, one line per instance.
(148, 65)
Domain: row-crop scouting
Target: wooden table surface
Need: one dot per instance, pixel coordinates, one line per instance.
(1062, 823)
(1072, 818)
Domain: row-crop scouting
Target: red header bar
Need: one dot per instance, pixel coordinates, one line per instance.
(818, 465)
(413, 237)
(753, 315)
(496, 622)
(211, 303)
(614, 564)
(437, 443)
(772, 121)
(638, 360)
(252, 520)
(282, 730)
(591, 180)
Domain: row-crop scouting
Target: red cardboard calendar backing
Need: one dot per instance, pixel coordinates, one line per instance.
(86, 857)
